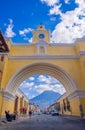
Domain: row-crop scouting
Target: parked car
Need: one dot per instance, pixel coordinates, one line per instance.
(54, 112)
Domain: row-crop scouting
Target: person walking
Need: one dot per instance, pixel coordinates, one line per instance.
(30, 113)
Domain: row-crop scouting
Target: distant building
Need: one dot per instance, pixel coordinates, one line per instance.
(55, 106)
(34, 107)
(21, 105)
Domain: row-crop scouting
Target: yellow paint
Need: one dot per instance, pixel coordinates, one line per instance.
(82, 102)
(75, 107)
(1, 103)
(75, 67)
(8, 106)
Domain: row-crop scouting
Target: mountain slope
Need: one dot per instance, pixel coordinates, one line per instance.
(45, 99)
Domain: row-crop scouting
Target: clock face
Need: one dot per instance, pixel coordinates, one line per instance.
(41, 36)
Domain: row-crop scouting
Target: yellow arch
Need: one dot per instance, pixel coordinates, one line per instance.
(65, 62)
(41, 68)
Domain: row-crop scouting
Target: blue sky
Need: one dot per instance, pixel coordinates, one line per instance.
(35, 85)
(64, 18)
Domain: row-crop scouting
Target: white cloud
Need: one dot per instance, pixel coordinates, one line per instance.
(72, 25)
(31, 78)
(50, 2)
(53, 19)
(29, 95)
(32, 96)
(67, 1)
(50, 83)
(30, 40)
(56, 88)
(27, 85)
(54, 2)
(47, 79)
(27, 39)
(43, 78)
(9, 30)
(45, 83)
(55, 10)
(25, 31)
(53, 80)
(42, 87)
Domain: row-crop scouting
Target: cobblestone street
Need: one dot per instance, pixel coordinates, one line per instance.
(44, 122)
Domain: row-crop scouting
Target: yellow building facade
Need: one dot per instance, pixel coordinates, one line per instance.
(65, 62)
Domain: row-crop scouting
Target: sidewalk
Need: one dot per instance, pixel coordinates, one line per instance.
(4, 121)
(74, 118)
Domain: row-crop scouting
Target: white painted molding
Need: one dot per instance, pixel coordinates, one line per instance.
(74, 95)
(7, 95)
(41, 43)
(22, 94)
(44, 56)
(77, 94)
(30, 70)
(4, 53)
(81, 53)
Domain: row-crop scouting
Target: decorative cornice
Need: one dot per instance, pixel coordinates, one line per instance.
(63, 44)
(4, 53)
(81, 53)
(44, 56)
(77, 94)
(7, 96)
(74, 95)
(49, 44)
(21, 44)
(41, 43)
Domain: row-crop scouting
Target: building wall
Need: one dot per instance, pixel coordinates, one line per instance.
(1, 102)
(23, 103)
(82, 102)
(74, 106)
(8, 106)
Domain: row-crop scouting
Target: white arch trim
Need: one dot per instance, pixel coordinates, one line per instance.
(41, 68)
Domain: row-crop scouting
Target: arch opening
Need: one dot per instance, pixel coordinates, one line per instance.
(38, 84)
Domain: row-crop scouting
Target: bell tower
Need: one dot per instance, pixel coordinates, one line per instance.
(41, 34)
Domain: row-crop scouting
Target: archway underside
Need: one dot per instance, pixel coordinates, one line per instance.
(41, 68)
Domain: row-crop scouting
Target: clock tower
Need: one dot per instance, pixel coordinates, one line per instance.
(41, 34)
